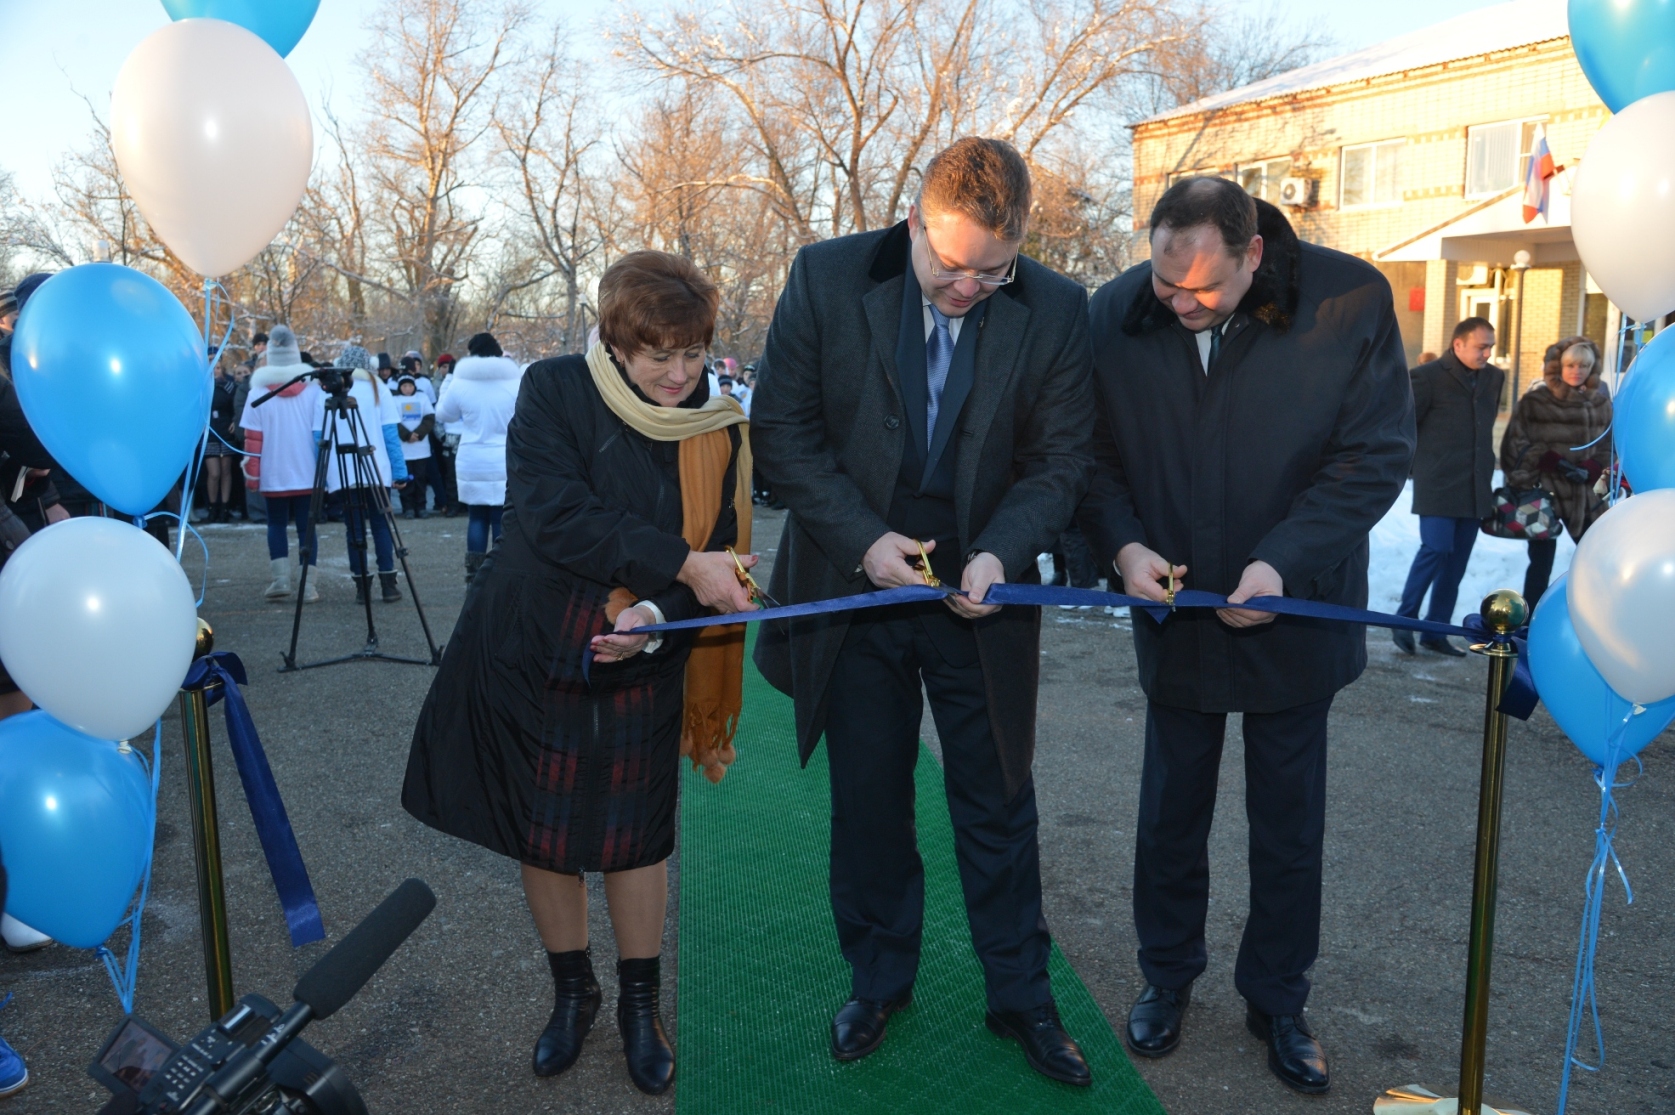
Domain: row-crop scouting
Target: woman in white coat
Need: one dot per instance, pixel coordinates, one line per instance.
(278, 436)
(478, 404)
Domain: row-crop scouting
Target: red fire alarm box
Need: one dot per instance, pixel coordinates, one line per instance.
(1416, 299)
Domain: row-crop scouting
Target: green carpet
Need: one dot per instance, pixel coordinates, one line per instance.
(760, 973)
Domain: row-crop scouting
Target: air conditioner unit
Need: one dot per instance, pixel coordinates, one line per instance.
(1298, 192)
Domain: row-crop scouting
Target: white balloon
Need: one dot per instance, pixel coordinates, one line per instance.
(1622, 596)
(98, 625)
(1622, 207)
(213, 137)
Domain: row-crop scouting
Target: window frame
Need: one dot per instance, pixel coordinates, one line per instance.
(1270, 184)
(1399, 142)
(1521, 165)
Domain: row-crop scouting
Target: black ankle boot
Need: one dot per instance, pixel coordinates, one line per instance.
(387, 582)
(576, 999)
(651, 1060)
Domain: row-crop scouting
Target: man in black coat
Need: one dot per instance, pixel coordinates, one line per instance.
(1254, 423)
(926, 382)
(1455, 401)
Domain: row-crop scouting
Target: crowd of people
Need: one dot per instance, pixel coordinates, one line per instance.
(1241, 401)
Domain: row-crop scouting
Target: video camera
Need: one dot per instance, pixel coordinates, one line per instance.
(251, 1061)
(332, 380)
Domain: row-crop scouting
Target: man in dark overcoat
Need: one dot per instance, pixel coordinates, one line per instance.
(1254, 423)
(1455, 401)
(925, 382)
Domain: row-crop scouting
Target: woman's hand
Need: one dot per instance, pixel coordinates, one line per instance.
(620, 645)
(714, 580)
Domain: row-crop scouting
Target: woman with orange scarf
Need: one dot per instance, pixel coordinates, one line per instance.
(553, 733)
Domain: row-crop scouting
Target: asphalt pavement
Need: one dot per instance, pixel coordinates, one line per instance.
(448, 1025)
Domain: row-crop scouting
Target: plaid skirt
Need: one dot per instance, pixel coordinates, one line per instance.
(516, 751)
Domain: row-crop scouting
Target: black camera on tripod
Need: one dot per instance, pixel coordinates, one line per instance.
(251, 1062)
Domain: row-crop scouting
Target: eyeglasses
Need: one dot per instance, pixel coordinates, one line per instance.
(944, 274)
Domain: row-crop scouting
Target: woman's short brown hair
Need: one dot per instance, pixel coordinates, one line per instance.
(984, 180)
(656, 300)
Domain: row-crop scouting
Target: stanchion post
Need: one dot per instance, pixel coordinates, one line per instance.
(206, 837)
(1503, 612)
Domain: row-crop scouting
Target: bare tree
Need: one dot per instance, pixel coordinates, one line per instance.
(433, 82)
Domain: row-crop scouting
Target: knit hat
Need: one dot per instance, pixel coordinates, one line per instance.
(406, 379)
(446, 358)
(29, 285)
(282, 347)
(354, 356)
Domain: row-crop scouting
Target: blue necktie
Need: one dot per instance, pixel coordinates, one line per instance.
(939, 353)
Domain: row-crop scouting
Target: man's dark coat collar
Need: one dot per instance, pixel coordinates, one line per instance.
(1274, 292)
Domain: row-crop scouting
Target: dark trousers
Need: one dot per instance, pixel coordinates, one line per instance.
(1444, 551)
(282, 511)
(1540, 572)
(359, 507)
(1285, 804)
(877, 878)
(413, 496)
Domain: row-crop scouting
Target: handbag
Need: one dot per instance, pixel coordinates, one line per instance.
(1529, 515)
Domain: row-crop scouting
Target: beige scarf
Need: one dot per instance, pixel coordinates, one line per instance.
(715, 669)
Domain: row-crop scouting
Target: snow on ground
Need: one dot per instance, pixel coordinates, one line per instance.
(1495, 562)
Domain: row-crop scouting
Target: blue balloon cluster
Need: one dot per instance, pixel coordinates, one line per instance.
(111, 372)
(1626, 47)
(75, 824)
(281, 23)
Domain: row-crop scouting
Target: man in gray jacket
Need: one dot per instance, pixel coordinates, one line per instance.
(1455, 401)
(927, 383)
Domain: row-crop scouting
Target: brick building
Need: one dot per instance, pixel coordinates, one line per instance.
(1411, 154)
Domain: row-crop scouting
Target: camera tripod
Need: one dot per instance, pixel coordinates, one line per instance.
(364, 495)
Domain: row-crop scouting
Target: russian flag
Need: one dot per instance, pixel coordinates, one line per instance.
(1537, 177)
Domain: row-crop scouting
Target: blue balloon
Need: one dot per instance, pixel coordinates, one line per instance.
(1643, 425)
(111, 372)
(281, 23)
(75, 828)
(1626, 47)
(1588, 710)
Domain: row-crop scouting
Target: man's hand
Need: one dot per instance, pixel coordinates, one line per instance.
(619, 645)
(56, 514)
(981, 571)
(714, 580)
(886, 561)
(1144, 573)
(1260, 579)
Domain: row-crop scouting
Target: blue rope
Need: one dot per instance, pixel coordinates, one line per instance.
(1583, 1000)
(125, 977)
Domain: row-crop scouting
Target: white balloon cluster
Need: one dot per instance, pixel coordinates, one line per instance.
(214, 139)
(1622, 206)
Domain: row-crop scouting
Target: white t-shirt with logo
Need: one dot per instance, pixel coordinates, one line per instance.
(413, 409)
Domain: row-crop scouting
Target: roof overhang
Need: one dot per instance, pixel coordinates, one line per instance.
(1493, 230)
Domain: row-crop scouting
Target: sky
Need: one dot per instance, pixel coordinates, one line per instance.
(53, 50)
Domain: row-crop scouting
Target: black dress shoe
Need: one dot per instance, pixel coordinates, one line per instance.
(576, 999)
(1154, 1021)
(1293, 1053)
(651, 1059)
(1443, 647)
(858, 1028)
(1403, 640)
(1048, 1049)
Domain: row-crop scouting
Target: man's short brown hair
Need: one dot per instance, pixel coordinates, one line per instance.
(985, 180)
(656, 300)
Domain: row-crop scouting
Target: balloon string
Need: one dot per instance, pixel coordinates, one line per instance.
(125, 977)
(1583, 999)
(186, 528)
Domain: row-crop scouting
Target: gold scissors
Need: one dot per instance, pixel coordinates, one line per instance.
(1169, 595)
(931, 579)
(757, 593)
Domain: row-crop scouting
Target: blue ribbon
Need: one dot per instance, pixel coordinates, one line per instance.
(267, 810)
(1519, 699)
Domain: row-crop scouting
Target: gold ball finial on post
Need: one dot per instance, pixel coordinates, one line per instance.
(1504, 611)
(206, 638)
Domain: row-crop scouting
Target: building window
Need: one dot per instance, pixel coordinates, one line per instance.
(1263, 179)
(1496, 156)
(1371, 174)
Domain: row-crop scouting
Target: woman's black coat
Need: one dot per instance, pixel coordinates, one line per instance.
(1289, 451)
